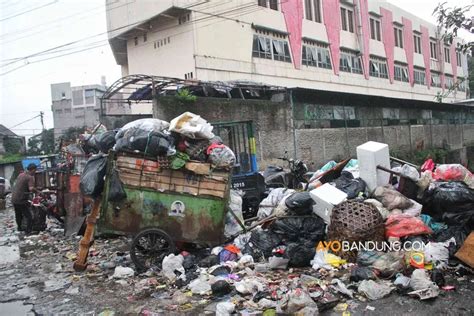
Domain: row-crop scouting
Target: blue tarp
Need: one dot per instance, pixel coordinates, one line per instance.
(25, 162)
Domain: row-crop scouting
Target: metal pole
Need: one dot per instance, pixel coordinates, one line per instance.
(292, 106)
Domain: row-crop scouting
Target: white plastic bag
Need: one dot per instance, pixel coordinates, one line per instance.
(414, 210)
(438, 252)
(232, 226)
(269, 204)
(192, 126)
(225, 308)
(172, 263)
(374, 290)
(410, 172)
(249, 285)
(123, 272)
(200, 286)
(420, 280)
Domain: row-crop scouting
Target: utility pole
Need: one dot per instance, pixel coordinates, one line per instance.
(43, 136)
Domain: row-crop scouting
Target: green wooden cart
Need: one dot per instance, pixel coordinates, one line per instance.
(164, 207)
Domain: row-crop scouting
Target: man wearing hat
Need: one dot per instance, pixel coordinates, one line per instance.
(24, 185)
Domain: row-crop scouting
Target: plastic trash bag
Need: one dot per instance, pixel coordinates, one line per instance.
(403, 225)
(325, 260)
(192, 126)
(300, 203)
(268, 204)
(275, 262)
(420, 280)
(225, 308)
(92, 178)
(172, 267)
(105, 141)
(391, 199)
(435, 226)
(221, 156)
(264, 242)
(402, 281)
(295, 228)
(145, 125)
(152, 143)
(387, 263)
(374, 290)
(428, 165)
(414, 209)
(300, 253)
(438, 252)
(454, 172)
(249, 285)
(362, 273)
(200, 286)
(379, 206)
(232, 226)
(410, 172)
(299, 299)
(116, 191)
(450, 202)
(347, 184)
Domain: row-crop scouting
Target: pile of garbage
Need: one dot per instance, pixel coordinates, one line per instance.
(365, 233)
(186, 141)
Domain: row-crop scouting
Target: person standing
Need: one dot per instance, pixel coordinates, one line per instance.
(24, 185)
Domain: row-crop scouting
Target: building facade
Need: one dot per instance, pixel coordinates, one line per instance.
(362, 47)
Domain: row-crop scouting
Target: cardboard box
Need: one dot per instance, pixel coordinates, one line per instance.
(466, 252)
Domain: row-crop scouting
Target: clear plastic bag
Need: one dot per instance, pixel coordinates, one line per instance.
(221, 156)
(191, 125)
(146, 125)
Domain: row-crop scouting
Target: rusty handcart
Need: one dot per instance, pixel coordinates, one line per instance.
(163, 208)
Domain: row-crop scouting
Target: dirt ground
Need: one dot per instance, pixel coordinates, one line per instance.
(37, 278)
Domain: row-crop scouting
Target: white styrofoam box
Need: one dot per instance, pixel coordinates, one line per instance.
(325, 198)
(370, 155)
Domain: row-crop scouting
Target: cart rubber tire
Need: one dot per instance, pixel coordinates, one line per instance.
(149, 247)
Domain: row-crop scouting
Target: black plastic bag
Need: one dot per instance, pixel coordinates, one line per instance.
(154, 143)
(105, 141)
(347, 184)
(300, 203)
(459, 233)
(92, 178)
(221, 288)
(362, 273)
(295, 228)
(450, 202)
(300, 253)
(116, 191)
(264, 241)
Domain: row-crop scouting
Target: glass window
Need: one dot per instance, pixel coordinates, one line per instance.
(461, 84)
(317, 56)
(419, 75)
(448, 82)
(89, 94)
(378, 68)
(350, 62)
(262, 3)
(347, 20)
(375, 29)
(317, 10)
(447, 56)
(266, 47)
(261, 47)
(433, 50)
(401, 73)
(398, 37)
(274, 5)
(458, 58)
(417, 43)
(435, 80)
(308, 7)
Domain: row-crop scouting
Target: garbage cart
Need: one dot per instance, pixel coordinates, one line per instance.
(163, 207)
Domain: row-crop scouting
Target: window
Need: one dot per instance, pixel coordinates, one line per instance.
(63, 95)
(447, 56)
(272, 4)
(401, 73)
(375, 29)
(188, 75)
(184, 18)
(89, 94)
(433, 50)
(350, 62)
(271, 48)
(135, 40)
(420, 76)
(316, 55)
(435, 80)
(378, 68)
(398, 37)
(458, 58)
(145, 37)
(448, 82)
(347, 20)
(417, 42)
(313, 10)
(77, 97)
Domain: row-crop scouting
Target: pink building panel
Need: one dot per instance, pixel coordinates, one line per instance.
(425, 49)
(454, 65)
(388, 40)
(293, 13)
(364, 14)
(409, 47)
(332, 20)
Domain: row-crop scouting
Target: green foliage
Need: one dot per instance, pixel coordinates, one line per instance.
(453, 19)
(42, 144)
(419, 157)
(7, 158)
(12, 145)
(72, 133)
(184, 96)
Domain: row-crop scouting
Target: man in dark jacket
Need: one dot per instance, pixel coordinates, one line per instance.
(24, 185)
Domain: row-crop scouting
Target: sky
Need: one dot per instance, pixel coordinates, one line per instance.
(31, 26)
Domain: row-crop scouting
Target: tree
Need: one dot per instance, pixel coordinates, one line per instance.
(72, 134)
(42, 144)
(453, 19)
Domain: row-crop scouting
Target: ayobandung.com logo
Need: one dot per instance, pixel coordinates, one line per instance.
(345, 245)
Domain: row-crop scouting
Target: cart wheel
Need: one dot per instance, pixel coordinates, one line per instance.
(149, 247)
